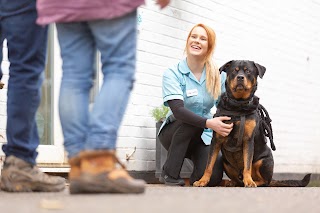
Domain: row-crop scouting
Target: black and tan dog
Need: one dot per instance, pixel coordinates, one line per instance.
(247, 159)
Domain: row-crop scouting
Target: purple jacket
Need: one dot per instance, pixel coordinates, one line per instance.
(50, 11)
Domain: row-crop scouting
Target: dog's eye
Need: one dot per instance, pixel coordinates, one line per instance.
(248, 71)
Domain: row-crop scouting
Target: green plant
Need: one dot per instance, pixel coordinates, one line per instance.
(159, 113)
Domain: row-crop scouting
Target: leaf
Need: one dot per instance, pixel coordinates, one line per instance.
(159, 113)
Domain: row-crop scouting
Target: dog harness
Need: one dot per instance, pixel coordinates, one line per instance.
(238, 111)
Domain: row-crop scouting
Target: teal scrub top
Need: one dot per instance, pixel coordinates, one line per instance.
(180, 83)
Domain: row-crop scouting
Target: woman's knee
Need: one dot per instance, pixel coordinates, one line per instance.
(179, 132)
(216, 176)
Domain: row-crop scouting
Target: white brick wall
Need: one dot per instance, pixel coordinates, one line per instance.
(284, 36)
(281, 35)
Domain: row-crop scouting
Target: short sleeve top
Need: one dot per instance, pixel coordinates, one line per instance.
(180, 83)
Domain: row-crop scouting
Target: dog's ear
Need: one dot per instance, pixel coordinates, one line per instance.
(225, 67)
(261, 69)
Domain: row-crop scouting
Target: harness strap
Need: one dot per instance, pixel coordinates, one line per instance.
(240, 109)
(241, 130)
(266, 125)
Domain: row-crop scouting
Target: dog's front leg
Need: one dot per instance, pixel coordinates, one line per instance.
(247, 159)
(248, 150)
(215, 148)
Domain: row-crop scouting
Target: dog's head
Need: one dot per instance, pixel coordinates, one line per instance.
(242, 76)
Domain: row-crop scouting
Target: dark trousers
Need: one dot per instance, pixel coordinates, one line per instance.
(184, 141)
(26, 43)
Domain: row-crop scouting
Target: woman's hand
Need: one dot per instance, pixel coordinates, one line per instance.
(163, 3)
(217, 125)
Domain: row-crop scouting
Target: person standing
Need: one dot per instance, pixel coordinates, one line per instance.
(26, 42)
(90, 136)
(190, 89)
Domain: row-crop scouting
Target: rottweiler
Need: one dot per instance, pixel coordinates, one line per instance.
(247, 159)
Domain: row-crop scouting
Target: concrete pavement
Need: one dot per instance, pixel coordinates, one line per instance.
(160, 198)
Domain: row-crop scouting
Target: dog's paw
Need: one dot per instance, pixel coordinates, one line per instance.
(200, 183)
(249, 183)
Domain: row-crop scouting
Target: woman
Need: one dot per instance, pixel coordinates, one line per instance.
(190, 89)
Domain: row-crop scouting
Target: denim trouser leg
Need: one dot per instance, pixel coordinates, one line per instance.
(116, 40)
(77, 52)
(26, 53)
(117, 44)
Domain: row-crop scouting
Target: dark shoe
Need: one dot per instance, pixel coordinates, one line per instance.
(97, 173)
(168, 180)
(19, 176)
(74, 174)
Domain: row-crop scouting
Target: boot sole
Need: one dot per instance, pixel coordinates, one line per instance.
(30, 187)
(26, 183)
(89, 185)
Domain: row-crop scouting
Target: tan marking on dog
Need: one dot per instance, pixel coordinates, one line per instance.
(221, 139)
(247, 179)
(256, 176)
(243, 94)
(249, 127)
(247, 160)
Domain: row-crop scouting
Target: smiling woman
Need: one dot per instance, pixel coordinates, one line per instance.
(200, 48)
(191, 89)
(198, 42)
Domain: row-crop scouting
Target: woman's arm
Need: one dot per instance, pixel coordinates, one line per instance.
(183, 114)
(186, 116)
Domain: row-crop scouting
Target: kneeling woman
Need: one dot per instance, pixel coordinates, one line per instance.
(190, 89)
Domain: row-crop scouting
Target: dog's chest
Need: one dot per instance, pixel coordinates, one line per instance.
(234, 143)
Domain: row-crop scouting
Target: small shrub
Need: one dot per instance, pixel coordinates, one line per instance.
(159, 113)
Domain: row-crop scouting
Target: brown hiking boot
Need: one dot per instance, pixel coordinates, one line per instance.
(99, 174)
(74, 174)
(19, 176)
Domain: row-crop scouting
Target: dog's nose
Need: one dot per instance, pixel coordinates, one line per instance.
(240, 77)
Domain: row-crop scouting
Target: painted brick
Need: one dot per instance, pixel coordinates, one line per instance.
(136, 154)
(138, 142)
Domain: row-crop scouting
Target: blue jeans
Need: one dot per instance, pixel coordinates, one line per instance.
(95, 129)
(27, 55)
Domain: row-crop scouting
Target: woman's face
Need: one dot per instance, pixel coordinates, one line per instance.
(197, 44)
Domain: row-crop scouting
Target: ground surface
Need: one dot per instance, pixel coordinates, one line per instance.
(160, 198)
